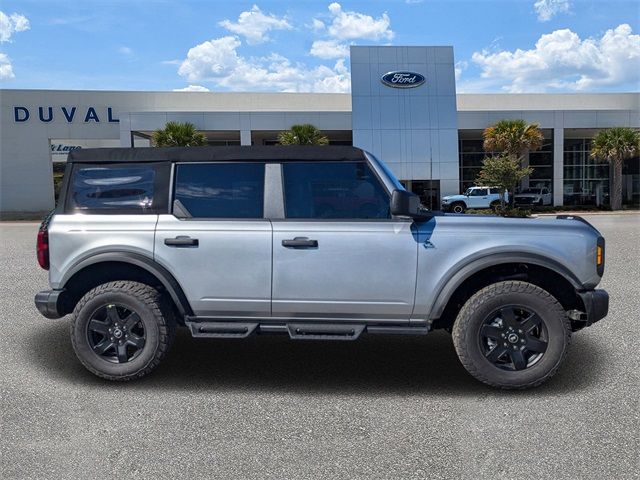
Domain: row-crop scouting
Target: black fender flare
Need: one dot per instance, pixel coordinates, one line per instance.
(459, 274)
(165, 277)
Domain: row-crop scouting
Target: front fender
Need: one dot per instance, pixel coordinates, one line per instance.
(470, 266)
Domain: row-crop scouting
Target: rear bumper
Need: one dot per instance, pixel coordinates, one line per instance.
(596, 305)
(48, 303)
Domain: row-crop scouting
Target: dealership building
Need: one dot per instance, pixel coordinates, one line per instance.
(403, 108)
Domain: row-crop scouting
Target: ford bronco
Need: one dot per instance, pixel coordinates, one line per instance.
(318, 243)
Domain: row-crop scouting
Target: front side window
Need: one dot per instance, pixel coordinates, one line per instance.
(114, 187)
(477, 192)
(333, 190)
(221, 190)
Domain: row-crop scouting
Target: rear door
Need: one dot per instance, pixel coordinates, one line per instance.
(338, 254)
(217, 242)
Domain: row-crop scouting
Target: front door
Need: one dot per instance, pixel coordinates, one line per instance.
(217, 244)
(338, 254)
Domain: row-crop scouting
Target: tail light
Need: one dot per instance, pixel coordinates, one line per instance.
(42, 248)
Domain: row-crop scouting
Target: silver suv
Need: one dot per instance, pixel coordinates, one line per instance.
(318, 243)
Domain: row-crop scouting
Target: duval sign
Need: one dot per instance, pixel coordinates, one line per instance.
(401, 79)
(68, 114)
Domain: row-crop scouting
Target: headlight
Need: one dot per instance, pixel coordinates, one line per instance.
(445, 200)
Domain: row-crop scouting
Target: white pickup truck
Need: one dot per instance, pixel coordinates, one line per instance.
(474, 197)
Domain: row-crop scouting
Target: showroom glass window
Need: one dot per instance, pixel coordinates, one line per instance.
(586, 181)
(221, 190)
(333, 190)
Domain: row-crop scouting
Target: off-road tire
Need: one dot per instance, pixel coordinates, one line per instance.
(466, 334)
(156, 316)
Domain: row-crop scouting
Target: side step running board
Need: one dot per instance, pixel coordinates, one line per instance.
(221, 329)
(311, 331)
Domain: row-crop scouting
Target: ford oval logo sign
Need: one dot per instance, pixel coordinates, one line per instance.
(402, 79)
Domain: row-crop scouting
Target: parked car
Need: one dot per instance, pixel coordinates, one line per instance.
(474, 197)
(229, 242)
(533, 196)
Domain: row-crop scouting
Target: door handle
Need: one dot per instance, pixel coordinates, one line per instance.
(300, 242)
(181, 241)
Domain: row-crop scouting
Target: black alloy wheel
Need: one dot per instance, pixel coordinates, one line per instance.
(121, 330)
(116, 333)
(513, 338)
(512, 335)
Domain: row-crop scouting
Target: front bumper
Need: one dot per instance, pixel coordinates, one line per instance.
(596, 305)
(49, 303)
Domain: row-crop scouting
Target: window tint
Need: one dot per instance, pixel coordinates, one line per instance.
(494, 191)
(478, 192)
(112, 188)
(333, 190)
(221, 190)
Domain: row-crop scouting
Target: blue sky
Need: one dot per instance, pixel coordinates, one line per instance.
(500, 46)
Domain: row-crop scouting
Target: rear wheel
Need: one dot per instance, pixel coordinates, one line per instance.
(121, 330)
(512, 335)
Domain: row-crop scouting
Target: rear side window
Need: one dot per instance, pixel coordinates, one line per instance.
(221, 190)
(112, 188)
(333, 190)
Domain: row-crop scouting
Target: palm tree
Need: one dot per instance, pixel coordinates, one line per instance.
(614, 146)
(515, 139)
(304, 134)
(176, 134)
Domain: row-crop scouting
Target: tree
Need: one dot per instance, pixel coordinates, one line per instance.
(614, 146)
(504, 172)
(515, 139)
(304, 134)
(176, 134)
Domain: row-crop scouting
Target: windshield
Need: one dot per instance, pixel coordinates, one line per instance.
(531, 190)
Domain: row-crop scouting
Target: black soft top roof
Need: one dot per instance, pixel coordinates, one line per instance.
(208, 154)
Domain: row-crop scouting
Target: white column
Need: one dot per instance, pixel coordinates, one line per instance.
(558, 166)
(245, 137)
(125, 130)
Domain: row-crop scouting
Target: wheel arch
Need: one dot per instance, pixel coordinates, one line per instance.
(544, 272)
(104, 267)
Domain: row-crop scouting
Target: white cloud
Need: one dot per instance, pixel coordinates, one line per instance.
(562, 61)
(329, 49)
(317, 25)
(10, 24)
(192, 88)
(126, 51)
(254, 25)
(217, 61)
(347, 25)
(547, 9)
(6, 70)
(211, 59)
(460, 67)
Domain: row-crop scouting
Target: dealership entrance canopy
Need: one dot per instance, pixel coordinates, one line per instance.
(403, 108)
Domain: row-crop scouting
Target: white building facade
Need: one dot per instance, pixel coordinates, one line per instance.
(403, 108)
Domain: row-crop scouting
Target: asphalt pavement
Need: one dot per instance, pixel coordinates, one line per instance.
(268, 407)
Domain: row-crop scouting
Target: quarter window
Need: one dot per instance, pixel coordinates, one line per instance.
(333, 190)
(221, 190)
(112, 188)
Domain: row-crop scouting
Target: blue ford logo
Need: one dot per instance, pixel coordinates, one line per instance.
(402, 79)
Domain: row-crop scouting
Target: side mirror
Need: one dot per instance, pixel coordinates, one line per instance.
(405, 204)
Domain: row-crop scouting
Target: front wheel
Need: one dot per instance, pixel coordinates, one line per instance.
(121, 330)
(458, 207)
(512, 335)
